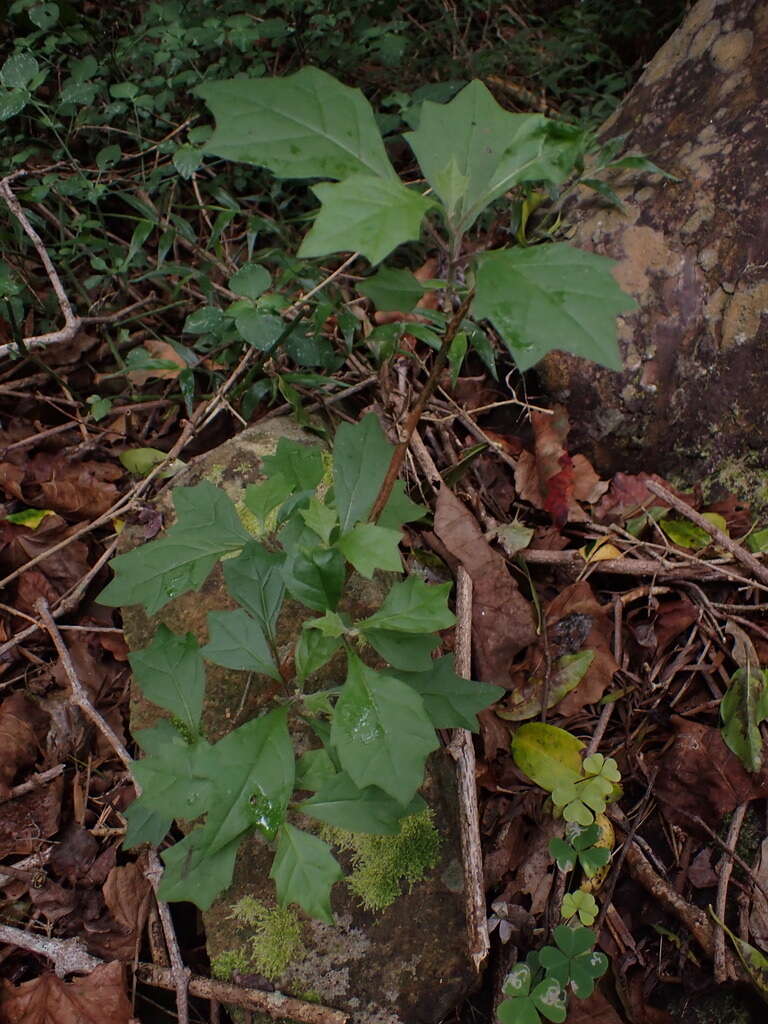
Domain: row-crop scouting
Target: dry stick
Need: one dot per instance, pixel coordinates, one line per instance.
(274, 1004)
(416, 412)
(67, 602)
(730, 854)
(721, 972)
(68, 955)
(694, 919)
(721, 539)
(80, 698)
(178, 970)
(35, 782)
(72, 322)
(462, 749)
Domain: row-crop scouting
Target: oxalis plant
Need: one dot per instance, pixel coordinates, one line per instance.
(373, 732)
(580, 791)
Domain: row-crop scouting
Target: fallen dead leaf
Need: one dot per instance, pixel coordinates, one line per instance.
(594, 1010)
(22, 727)
(127, 894)
(158, 350)
(535, 874)
(577, 621)
(27, 820)
(627, 495)
(49, 480)
(550, 478)
(74, 854)
(701, 873)
(502, 619)
(97, 998)
(700, 776)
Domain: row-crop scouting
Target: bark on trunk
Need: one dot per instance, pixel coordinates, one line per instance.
(692, 401)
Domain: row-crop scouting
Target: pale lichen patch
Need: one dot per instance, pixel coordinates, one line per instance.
(730, 51)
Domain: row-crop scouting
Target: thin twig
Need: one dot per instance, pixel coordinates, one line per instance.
(80, 698)
(78, 693)
(34, 782)
(68, 955)
(721, 539)
(180, 973)
(274, 1004)
(462, 750)
(419, 406)
(721, 972)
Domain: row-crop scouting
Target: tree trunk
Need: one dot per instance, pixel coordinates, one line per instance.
(692, 401)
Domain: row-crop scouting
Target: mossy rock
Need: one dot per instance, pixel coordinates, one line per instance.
(406, 964)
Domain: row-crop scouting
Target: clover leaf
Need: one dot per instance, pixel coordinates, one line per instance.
(574, 962)
(581, 903)
(604, 767)
(579, 846)
(524, 1006)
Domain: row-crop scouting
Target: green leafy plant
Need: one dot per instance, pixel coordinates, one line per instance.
(376, 730)
(580, 790)
(471, 152)
(743, 707)
(578, 847)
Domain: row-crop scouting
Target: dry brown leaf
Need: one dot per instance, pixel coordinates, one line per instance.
(627, 495)
(700, 776)
(550, 478)
(49, 480)
(97, 998)
(158, 350)
(127, 895)
(535, 874)
(26, 821)
(577, 621)
(594, 1010)
(502, 619)
(22, 726)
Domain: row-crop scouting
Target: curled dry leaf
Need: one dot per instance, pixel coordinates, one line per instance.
(700, 776)
(127, 895)
(94, 999)
(502, 619)
(83, 490)
(550, 478)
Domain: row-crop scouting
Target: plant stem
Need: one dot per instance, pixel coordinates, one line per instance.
(416, 412)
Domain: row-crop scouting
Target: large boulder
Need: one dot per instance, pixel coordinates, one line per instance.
(690, 402)
(407, 964)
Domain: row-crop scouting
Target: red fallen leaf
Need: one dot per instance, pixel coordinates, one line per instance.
(50, 480)
(31, 586)
(502, 619)
(97, 998)
(700, 776)
(558, 491)
(627, 495)
(22, 726)
(737, 515)
(550, 478)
